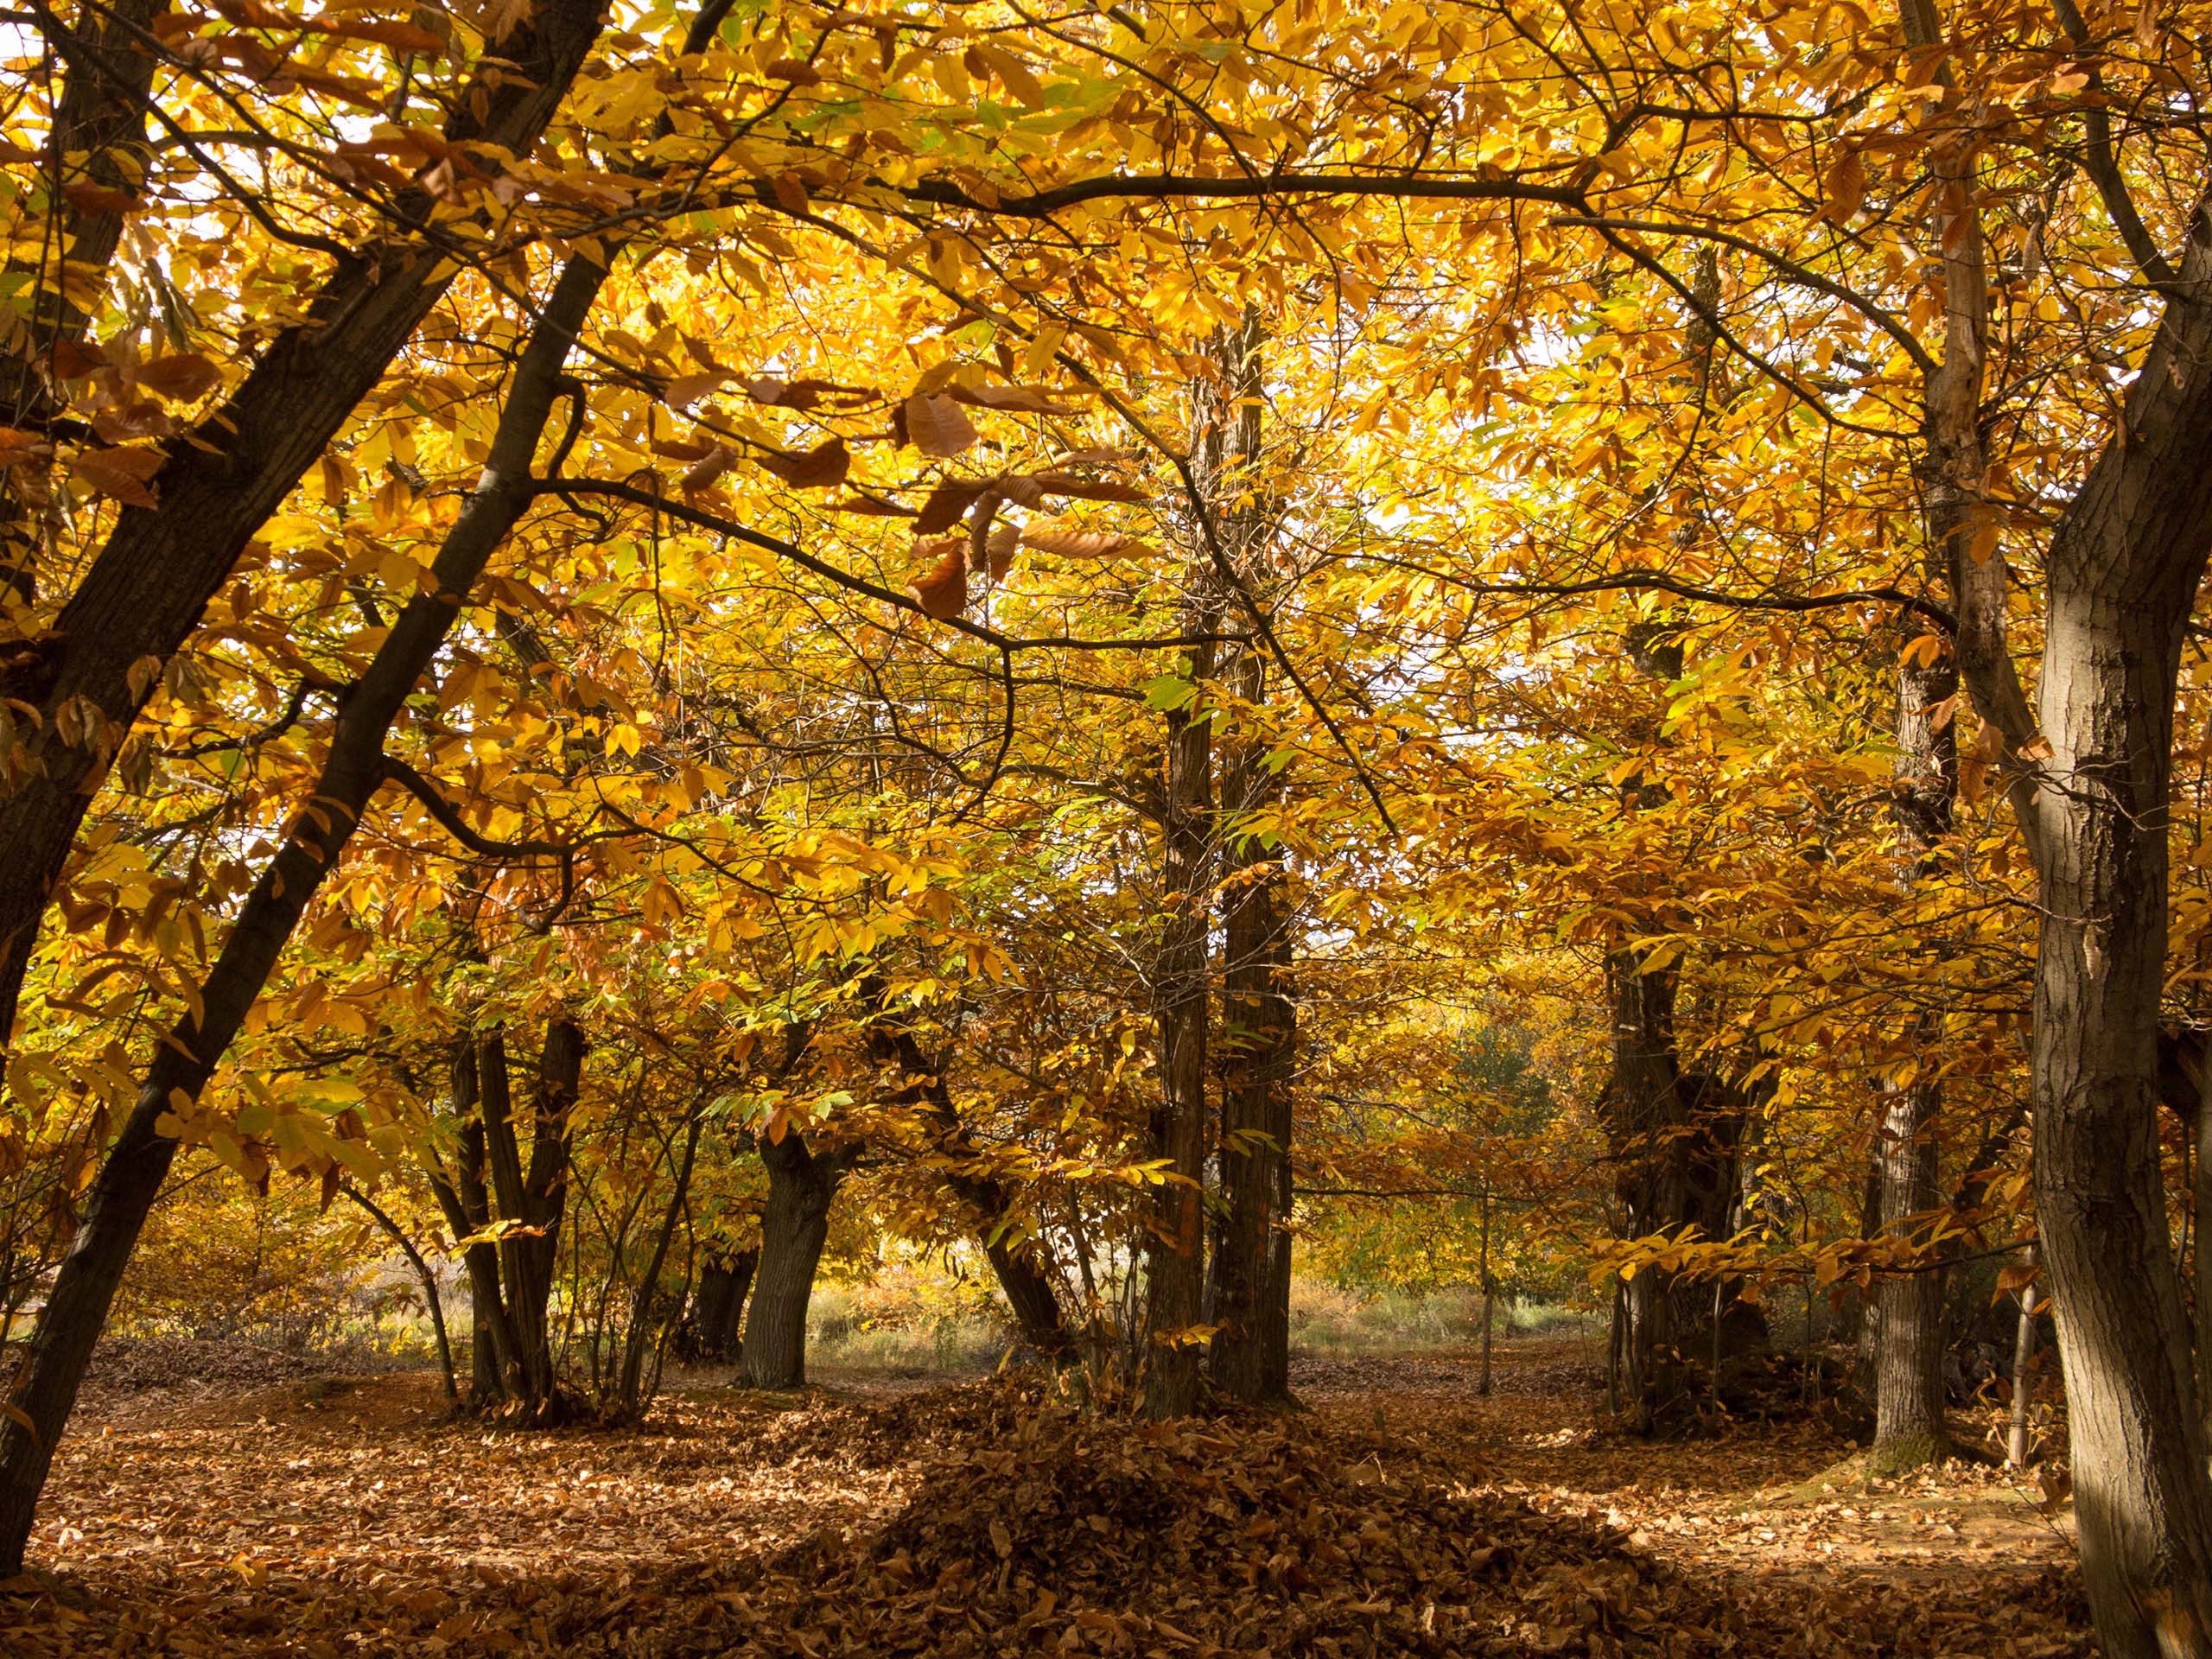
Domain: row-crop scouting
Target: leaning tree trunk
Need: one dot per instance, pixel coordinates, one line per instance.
(794, 1226)
(2088, 772)
(69, 1325)
(144, 592)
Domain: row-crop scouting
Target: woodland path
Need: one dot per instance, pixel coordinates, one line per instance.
(345, 1517)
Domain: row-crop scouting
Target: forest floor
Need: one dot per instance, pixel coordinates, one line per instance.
(1400, 1513)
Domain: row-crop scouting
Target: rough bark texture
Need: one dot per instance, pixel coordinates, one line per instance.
(794, 1225)
(145, 591)
(1908, 1347)
(2201, 1246)
(1909, 1342)
(2109, 672)
(1175, 1265)
(45, 1389)
(2088, 781)
(1251, 1355)
(718, 1310)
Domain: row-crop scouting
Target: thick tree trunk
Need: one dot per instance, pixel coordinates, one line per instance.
(1250, 1357)
(2139, 1483)
(1645, 1114)
(2201, 1248)
(145, 591)
(2088, 773)
(794, 1226)
(115, 1209)
(718, 1310)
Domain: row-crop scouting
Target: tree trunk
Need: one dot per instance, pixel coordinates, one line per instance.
(630, 1399)
(115, 1207)
(144, 592)
(2109, 672)
(534, 1201)
(1175, 1260)
(2087, 773)
(794, 1225)
(1645, 1112)
(432, 1301)
(1909, 1353)
(1489, 1295)
(718, 1310)
(1251, 1355)
(2200, 1250)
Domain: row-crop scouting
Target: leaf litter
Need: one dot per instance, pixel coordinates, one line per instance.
(1397, 1514)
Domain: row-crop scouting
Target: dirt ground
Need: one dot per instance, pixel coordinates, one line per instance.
(1399, 1513)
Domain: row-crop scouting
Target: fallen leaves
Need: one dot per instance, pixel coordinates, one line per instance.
(348, 1518)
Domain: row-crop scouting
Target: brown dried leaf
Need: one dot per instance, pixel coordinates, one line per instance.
(1086, 544)
(827, 463)
(945, 505)
(942, 593)
(937, 426)
(125, 474)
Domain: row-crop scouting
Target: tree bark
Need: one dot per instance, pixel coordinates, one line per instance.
(1251, 1355)
(1175, 1267)
(2201, 1247)
(794, 1226)
(534, 1201)
(2088, 782)
(718, 1310)
(145, 591)
(1645, 1112)
(115, 1206)
(1909, 1349)
(1909, 1341)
